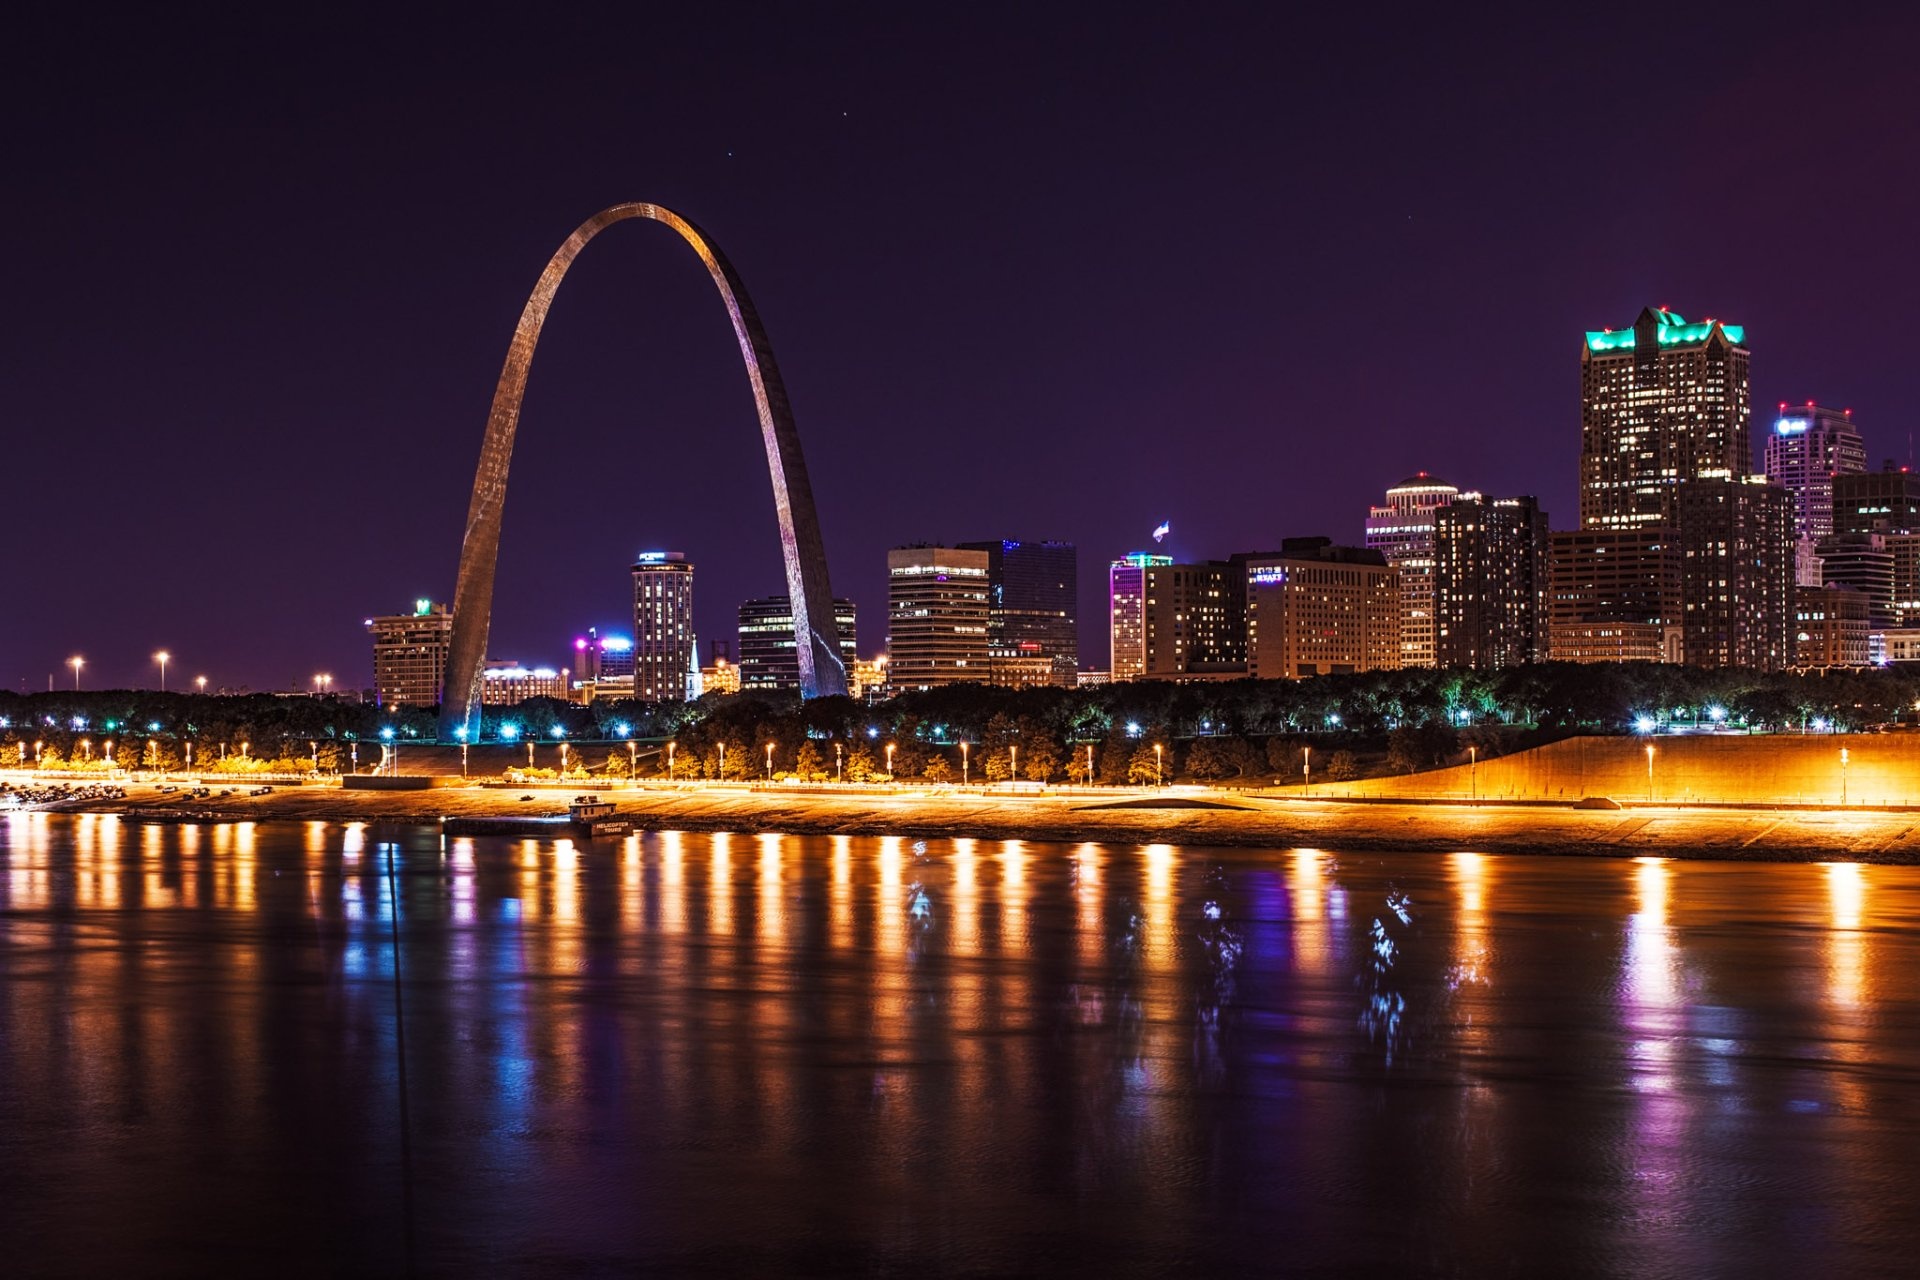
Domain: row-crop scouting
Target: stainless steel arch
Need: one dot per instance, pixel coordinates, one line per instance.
(816, 647)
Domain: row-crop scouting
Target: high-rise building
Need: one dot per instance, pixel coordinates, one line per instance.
(1736, 545)
(1614, 596)
(410, 655)
(1032, 637)
(767, 659)
(1883, 501)
(1832, 628)
(662, 626)
(1864, 562)
(1662, 402)
(1127, 613)
(1807, 449)
(1194, 620)
(937, 611)
(1317, 609)
(1490, 582)
(1402, 530)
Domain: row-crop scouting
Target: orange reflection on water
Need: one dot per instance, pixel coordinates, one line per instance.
(720, 884)
(673, 887)
(889, 903)
(770, 924)
(840, 895)
(1089, 921)
(965, 929)
(1846, 943)
(1013, 895)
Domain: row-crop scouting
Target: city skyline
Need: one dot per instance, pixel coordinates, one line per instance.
(231, 356)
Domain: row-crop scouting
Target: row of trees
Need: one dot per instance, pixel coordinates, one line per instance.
(1230, 730)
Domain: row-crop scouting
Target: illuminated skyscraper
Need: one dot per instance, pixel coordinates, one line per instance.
(1736, 584)
(1317, 609)
(1490, 582)
(1402, 531)
(767, 658)
(1807, 449)
(1126, 613)
(937, 612)
(410, 655)
(662, 626)
(1662, 403)
(1032, 637)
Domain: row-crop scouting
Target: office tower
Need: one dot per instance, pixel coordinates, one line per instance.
(1317, 609)
(1127, 613)
(767, 658)
(410, 655)
(1194, 621)
(1614, 596)
(1662, 402)
(937, 612)
(1832, 627)
(1736, 545)
(1490, 582)
(1883, 501)
(1807, 449)
(1032, 636)
(1402, 530)
(1864, 562)
(662, 626)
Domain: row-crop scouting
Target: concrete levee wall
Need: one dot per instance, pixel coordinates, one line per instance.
(1880, 769)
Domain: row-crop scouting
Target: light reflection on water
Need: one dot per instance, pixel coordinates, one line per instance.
(794, 1053)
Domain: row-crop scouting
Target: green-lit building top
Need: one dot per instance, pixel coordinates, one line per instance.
(1671, 329)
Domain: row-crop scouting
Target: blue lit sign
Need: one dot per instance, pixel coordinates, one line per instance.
(1790, 426)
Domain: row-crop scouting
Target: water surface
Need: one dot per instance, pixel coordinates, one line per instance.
(843, 1055)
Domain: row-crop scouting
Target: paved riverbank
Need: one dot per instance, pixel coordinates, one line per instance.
(1122, 817)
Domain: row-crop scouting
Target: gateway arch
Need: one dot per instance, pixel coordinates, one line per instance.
(814, 633)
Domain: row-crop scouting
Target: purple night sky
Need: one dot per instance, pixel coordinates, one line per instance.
(1058, 278)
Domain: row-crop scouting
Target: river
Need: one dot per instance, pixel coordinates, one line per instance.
(827, 1055)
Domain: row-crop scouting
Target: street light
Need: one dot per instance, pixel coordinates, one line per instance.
(669, 761)
(1089, 764)
(1013, 764)
(1843, 777)
(889, 764)
(1156, 764)
(324, 683)
(315, 748)
(963, 764)
(769, 762)
(836, 761)
(1473, 774)
(161, 658)
(723, 763)
(76, 662)
(1306, 766)
(202, 682)
(1649, 773)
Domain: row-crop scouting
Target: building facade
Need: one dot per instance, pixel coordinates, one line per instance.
(1662, 402)
(1614, 595)
(1033, 636)
(1317, 609)
(662, 626)
(1806, 450)
(1195, 621)
(1736, 544)
(1401, 529)
(1832, 628)
(410, 655)
(1490, 582)
(1127, 614)
(937, 615)
(1883, 501)
(767, 659)
(505, 683)
(1864, 562)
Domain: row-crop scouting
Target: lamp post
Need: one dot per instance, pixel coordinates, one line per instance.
(670, 747)
(463, 757)
(1306, 766)
(1649, 773)
(161, 658)
(1843, 777)
(889, 764)
(189, 746)
(529, 753)
(1473, 774)
(202, 682)
(1013, 764)
(1089, 764)
(723, 762)
(837, 747)
(963, 764)
(769, 762)
(314, 747)
(633, 758)
(1156, 764)
(76, 662)
(563, 759)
